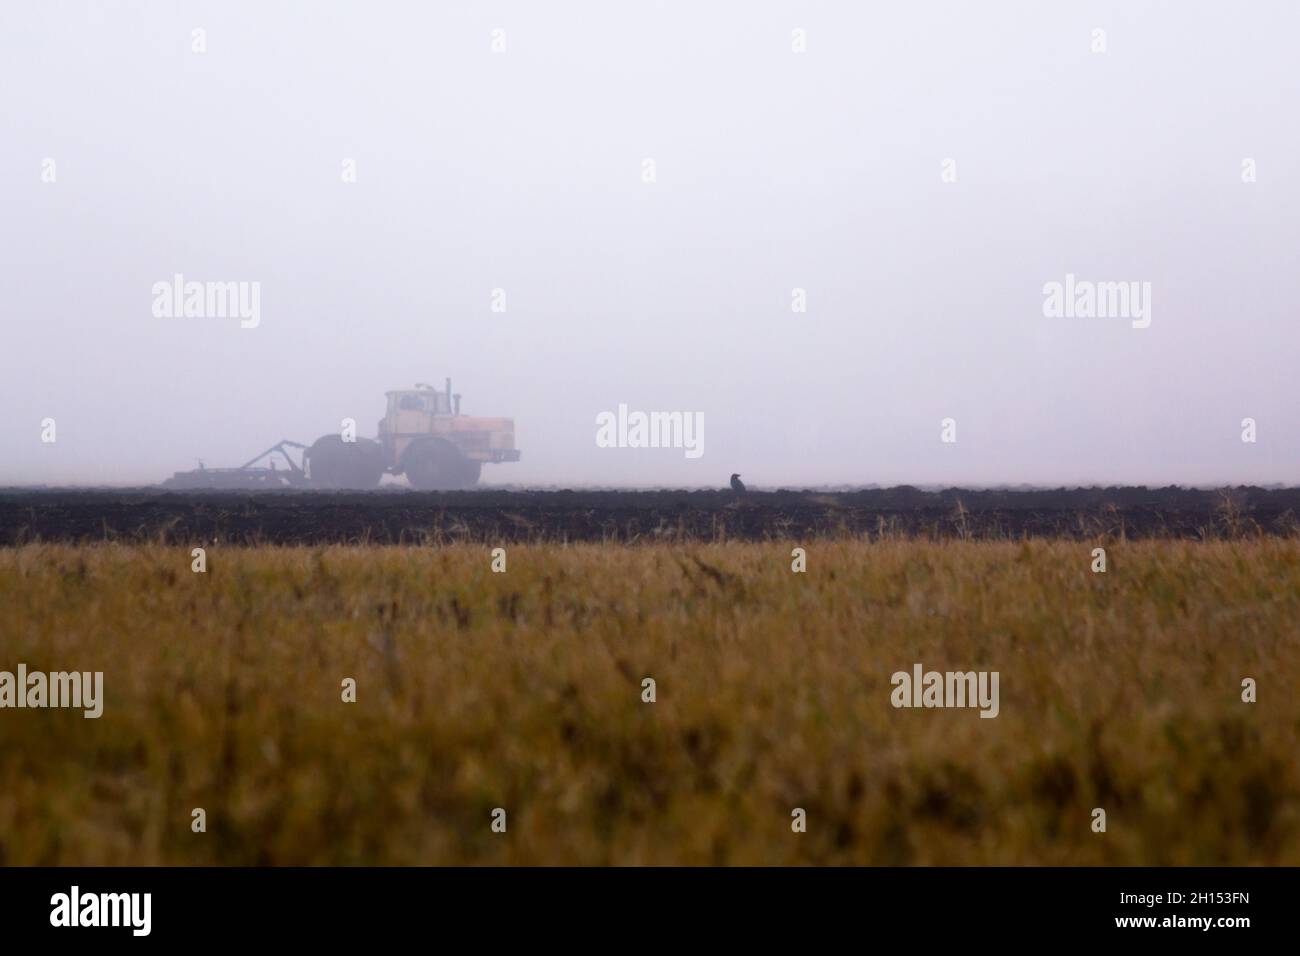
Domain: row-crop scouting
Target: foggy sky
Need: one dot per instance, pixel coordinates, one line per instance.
(522, 171)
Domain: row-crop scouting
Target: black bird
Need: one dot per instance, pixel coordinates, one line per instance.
(736, 484)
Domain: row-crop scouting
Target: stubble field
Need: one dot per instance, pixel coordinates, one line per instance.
(524, 691)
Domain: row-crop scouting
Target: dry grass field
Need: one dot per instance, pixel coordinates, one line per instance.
(523, 690)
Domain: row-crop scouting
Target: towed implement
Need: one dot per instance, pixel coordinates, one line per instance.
(422, 435)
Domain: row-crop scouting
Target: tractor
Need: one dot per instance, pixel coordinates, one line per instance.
(424, 436)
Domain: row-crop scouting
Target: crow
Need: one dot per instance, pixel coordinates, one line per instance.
(737, 485)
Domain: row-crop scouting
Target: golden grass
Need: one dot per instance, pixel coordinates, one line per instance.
(523, 690)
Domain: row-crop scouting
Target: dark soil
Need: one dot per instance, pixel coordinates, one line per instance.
(395, 516)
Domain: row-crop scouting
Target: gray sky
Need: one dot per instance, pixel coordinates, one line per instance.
(776, 170)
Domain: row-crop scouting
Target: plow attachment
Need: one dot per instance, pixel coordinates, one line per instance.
(261, 471)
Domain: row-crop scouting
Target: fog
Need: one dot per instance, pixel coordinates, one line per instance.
(524, 171)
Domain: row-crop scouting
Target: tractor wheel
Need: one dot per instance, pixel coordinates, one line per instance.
(334, 463)
(435, 465)
(470, 472)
